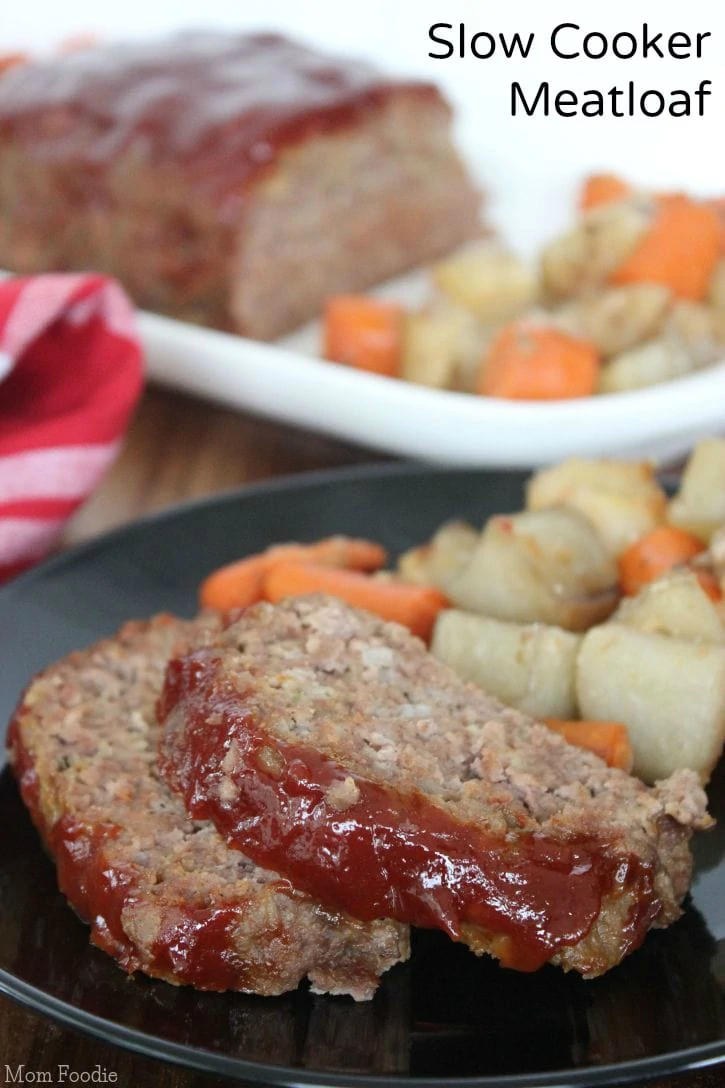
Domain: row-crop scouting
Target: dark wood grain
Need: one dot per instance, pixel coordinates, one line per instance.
(178, 449)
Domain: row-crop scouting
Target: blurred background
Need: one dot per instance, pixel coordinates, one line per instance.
(530, 163)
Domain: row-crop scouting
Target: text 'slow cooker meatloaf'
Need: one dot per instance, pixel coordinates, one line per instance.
(164, 894)
(230, 179)
(331, 746)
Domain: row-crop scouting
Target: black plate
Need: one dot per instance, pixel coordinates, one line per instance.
(445, 1015)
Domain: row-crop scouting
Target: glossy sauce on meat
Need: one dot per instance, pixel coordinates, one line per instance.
(206, 98)
(194, 945)
(363, 847)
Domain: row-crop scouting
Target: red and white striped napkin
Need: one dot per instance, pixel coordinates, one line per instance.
(70, 375)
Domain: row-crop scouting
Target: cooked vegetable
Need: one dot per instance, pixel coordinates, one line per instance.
(655, 553)
(716, 553)
(659, 360)
(608, 740)
(618, 318)
(699, 329)
(622, 499)
(437, 562)
(679, 250)
(692, 336)
(677, 605)
(12, 60)
(601, 189)
(585, 258)
(491, 282)
(713, 586)
(416, 607)
(699, 506)
(546, 566)
(529, 666)
(669, 692)
(527, 361)
(364, 333)
(442, 346)
(716, 296)
(240, 584)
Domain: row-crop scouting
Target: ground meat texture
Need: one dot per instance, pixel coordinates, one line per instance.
(235, 180)
(164, 894)
(331, 745)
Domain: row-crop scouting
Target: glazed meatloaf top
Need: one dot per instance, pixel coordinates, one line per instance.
(164, 894)
(331, 745)
(225, 102)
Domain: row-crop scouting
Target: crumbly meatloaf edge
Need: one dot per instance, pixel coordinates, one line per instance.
(163, 894)
(317, 673)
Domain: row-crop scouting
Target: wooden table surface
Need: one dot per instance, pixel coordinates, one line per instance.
(177, 449)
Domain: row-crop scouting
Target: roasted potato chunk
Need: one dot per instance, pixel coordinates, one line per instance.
(716, 554)
(699, 506)
(699, 329)
(492, 283)
(619, 318)
(669, 692)
(442, 344)
(442, 559)
(584, 258)
(716, 297)
(621, 499)
(674, 605)
(531, 666)
(692, 338)
(547, 566)
(659, 360)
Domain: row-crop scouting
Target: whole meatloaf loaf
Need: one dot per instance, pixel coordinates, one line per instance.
(230, 179)
(164, 894)
(331, 746)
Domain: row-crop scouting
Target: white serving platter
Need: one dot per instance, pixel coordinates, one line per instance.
(287, 384)
(286, 381)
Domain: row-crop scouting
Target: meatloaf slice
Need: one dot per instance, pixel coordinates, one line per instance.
(332, 746)
(231, 179)
(164, 894)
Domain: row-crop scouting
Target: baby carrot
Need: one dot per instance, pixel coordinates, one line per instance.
(608, 740)
(335, 551)
(679, 250)
(239, 584)
(415, 606)
(538, 362)
(236, 585)
(364, 333)
(655, 553)
(601, 189)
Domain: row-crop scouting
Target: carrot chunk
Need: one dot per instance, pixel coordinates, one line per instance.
(679, 250)
(655, 553)
(240, 584)
(538, 362)
(364, 333)
(710, 584)
(12, 60)
(608, 740)
(601, 189)
(414, 606)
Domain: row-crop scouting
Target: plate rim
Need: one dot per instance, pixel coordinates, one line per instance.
(216, 1063)
(268, 1075)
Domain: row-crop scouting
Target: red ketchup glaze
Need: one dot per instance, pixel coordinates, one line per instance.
(194, 943)
(228, 103)
(385, 855)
